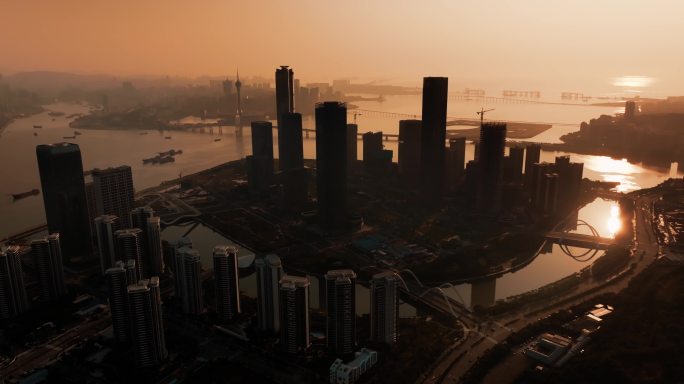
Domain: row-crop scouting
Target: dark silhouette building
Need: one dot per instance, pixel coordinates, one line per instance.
(490, 180)
(260, 163)
(150, 242)
(147, 327)
(375, 157)
(47, 256)
(384, 307)
(269, 270)
(227, 282)
(66, 209)
(114, 194)
(630, 109)
(433, 135)
(294, 314)
(513, 165)
(340, 293)
(538, 171)
(532, 156)
(331, 164)
(472, 177)
(409, 151)
(127, 245)
(105, 226)
(290, 141)
(294, 175)
(352, 147)
(455, 161)
(117, 284)
(13, 299)
(191, 274)
(284, 78)
(569, 180)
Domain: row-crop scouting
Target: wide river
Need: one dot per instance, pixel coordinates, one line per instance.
(106, 148)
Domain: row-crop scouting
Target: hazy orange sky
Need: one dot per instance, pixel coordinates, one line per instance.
(529, 43)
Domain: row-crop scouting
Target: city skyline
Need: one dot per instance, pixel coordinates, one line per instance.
(515, 218)
(545, 46)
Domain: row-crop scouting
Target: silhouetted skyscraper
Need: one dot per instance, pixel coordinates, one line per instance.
(105, 226)
(331, 163)
(352, 146)
(514, 164)
(372, 150)
(295, 185)
(47, 256)
(66, 209)
(455, 161)
(532, 156)
(176, 260)
(492, 146)
(114, 194)
(284, 78)
(227, 282)
(538, 171)
(630, 109)
(409, 151)
(132, 274)
(340, 292)
(290, 142)
(147, 327)
(127, 244)
(269, 270)
(193, 298)
(150, 244)
(13, 299)
(260, 163)
(294, 314)
(433, 135)
(117, 283)
(384, 307)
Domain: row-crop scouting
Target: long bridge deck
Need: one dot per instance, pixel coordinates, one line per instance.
(580, 240)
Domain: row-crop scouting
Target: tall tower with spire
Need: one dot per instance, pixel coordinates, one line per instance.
(238, 113)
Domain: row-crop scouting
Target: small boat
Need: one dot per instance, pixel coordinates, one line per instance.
(217, 139)
(167, 137)
(144, 133)
(37, 126)
(18, 196)
(69, 137)
(77, 133)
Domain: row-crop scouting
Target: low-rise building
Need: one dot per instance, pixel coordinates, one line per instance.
(548, 348)
(341, 373)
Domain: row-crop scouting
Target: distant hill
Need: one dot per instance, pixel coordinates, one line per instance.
(48, 80)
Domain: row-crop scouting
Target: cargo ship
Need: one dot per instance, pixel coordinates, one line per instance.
(19, 196)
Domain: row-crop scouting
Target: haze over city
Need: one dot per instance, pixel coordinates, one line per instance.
(582, 44)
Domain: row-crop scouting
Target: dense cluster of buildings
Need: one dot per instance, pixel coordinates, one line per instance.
(98, 221)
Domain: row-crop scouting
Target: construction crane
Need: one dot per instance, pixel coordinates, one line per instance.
(481, 112)
(357, 114)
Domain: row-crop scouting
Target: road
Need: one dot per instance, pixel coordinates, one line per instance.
(39, 356)
(489, 333)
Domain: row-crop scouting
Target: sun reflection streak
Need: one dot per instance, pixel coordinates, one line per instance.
(614, 222)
